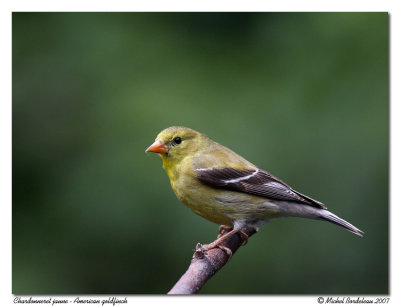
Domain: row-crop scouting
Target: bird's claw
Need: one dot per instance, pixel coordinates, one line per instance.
(244, 236)
(211, 246)
(227, 251)
(223, 229)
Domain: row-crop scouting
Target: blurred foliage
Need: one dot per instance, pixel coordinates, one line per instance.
(302, 95)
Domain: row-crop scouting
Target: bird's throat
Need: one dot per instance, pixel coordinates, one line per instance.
(169, 167)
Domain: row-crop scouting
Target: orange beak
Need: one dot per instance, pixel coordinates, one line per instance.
(157, 147)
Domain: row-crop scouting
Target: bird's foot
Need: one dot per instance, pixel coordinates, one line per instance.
(223, 229)
(227, 251)
(244, 236)
(222, 237)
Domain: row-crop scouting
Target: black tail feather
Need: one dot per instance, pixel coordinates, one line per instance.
(328, 216)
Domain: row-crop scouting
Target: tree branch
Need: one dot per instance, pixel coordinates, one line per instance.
(205, 264)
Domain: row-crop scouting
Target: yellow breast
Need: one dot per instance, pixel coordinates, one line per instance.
(214, 204)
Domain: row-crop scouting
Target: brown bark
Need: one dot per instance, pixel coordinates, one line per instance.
(205, 264)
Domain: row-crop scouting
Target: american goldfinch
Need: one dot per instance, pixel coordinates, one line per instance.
(223, 187)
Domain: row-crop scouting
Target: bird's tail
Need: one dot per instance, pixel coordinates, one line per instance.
(328, 216)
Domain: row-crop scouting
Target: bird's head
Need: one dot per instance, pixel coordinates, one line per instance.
(177, 142)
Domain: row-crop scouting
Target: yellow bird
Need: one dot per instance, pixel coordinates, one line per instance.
(223, 187)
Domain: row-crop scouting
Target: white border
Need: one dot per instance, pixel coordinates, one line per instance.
(6, 297)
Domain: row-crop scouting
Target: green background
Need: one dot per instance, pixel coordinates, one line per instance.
(302, 95)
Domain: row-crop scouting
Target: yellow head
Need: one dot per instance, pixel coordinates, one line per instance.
(177, 142)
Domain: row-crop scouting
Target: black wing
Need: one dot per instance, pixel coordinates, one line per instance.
(257, 182)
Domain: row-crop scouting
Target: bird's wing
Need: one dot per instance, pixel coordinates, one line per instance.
(254, 181)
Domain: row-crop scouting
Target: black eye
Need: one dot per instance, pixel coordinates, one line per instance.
(177, 140)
